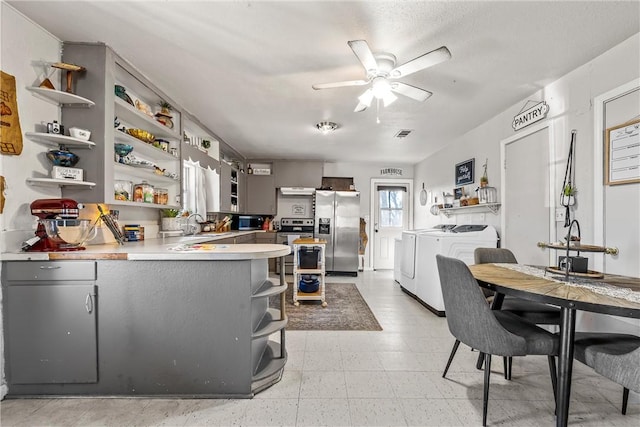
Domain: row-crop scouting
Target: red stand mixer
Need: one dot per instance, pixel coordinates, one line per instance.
(58, 226)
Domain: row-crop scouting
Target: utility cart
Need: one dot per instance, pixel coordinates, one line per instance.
(309, 270)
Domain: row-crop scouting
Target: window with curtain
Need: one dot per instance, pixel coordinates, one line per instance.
(391, 206)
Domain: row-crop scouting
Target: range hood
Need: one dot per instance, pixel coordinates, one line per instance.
(297, 191)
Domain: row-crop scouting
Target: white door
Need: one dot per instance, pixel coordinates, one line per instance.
(392, 199)
(527, 202)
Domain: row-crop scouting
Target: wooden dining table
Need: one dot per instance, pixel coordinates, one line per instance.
(570, 297)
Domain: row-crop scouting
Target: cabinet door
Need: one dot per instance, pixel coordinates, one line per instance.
(298, 174)
(51, 334)
(261, 194)
(225, 187)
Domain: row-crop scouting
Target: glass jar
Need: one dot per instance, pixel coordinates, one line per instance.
(488, 195)
(143, 192)
(161, 196)
(122, 190)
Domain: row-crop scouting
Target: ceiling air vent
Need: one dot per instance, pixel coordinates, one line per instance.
(403, 133)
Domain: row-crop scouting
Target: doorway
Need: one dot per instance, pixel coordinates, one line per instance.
(528, 206)
(391, 213)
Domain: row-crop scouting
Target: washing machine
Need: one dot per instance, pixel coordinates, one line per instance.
(408, 253)
(459, 242)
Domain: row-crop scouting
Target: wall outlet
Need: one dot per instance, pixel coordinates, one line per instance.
(560, 214)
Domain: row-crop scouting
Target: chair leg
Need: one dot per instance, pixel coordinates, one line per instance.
(625, 400)
(453, 353)
(485, 401)
(508, 363)
(480, 360)
(554, 378)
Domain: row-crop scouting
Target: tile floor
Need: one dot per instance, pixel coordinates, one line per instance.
(387, 378)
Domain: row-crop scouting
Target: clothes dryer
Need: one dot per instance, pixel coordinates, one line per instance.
(460, 242)
(408, 256)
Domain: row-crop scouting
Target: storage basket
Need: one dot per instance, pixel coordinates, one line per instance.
(309, 257)
(309, 283)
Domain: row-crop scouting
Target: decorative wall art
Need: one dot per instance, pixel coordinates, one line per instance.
(465, 172)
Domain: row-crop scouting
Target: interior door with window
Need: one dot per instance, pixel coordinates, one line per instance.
(391, 216)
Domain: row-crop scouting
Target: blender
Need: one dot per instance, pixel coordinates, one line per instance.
(59, 228)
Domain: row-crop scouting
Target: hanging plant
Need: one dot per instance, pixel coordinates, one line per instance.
(484, 179)
(568, 192)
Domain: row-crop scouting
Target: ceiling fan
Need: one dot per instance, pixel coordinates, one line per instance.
(381, 70)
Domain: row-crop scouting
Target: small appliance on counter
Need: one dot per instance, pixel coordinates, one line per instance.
(59, 228)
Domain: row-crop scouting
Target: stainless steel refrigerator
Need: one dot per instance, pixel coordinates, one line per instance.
(337, 220)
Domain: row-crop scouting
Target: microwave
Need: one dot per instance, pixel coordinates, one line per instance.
(250, 222)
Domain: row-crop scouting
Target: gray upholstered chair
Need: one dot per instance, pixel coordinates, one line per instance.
(535, 312)
(538, 313)
(493, 332)
(615, 356)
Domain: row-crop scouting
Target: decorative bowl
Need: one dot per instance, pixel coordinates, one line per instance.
(141, 134)
(80, 133)
(122, 149)
(62, 158)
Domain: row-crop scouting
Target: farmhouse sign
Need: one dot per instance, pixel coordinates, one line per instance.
(530, 115)
(391, 172)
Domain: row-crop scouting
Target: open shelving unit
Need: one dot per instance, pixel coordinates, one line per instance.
(483, 207)
(319, 271)
(54, 140)
(61, 98)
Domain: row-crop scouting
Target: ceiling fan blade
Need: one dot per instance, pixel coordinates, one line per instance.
(427, 60)
(340, 84)
(412, 92)
(360, 107)
(364, 54)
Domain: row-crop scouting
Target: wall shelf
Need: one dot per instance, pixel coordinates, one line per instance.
(484, 207)
(61, 98)
(130, 114)
(142, 147)
(47, 182)
(54, 140)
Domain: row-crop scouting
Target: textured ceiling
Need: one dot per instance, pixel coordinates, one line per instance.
(245, 69)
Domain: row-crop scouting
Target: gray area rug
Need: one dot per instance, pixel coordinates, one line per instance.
(346, 311)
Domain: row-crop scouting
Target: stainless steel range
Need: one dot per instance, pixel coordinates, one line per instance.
(291, 229)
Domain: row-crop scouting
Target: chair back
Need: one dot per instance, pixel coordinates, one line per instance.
(494, 255)
(469, 317)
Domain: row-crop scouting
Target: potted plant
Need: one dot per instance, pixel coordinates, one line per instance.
(165, 108)
(484, 179)
(568, 195)
(171, 220)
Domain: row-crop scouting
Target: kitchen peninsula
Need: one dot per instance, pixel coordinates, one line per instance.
(176, 317)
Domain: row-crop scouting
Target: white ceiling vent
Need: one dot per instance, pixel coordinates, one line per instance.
(403, 133)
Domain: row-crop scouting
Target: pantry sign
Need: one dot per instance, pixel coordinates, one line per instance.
(530, 115)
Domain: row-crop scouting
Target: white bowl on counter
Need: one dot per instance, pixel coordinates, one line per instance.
(80, 133)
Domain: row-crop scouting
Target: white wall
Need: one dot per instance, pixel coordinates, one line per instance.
(362, 174)
(24, 47)
(570, 99)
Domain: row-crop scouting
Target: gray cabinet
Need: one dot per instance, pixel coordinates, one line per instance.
(261, 195)
(50, 322)
(246, 238)
(298, 173)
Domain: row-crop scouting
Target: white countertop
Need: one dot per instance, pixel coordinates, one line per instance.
(170, 248)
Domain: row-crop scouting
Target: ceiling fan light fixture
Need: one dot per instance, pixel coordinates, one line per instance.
(380, 87)
(326, 127)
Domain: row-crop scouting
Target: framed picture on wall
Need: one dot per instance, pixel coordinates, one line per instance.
(622, 153)
(465, 172)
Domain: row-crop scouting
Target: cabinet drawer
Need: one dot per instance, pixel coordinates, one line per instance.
(50, 270)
